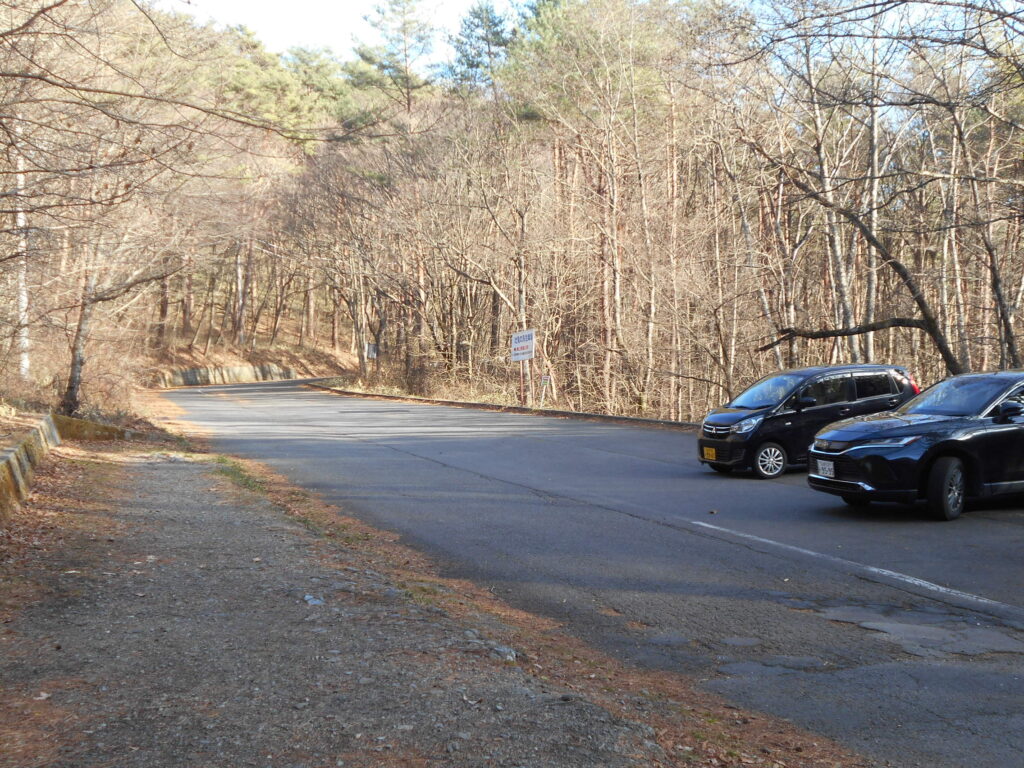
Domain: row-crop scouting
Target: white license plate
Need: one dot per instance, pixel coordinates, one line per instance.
(826, 468)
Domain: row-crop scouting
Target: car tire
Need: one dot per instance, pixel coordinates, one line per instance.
(856, 501)
(770, 460)
(725, 469)
(947, 488)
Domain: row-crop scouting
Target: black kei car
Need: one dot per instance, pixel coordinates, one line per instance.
(962, 437)
(771, 424)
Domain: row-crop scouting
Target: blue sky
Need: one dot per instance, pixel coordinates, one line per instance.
(333, 24)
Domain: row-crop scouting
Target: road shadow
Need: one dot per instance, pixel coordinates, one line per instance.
(891, 512)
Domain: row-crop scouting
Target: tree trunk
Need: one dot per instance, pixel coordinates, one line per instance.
(163, 313)
(21, 225)
(71, 402)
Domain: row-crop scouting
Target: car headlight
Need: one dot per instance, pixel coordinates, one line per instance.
(890, 441)
(830, 446)
(747, 425)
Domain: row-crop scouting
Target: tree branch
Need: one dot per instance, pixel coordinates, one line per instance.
(857, 330)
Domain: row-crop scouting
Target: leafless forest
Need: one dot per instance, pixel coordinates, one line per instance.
(678, 196)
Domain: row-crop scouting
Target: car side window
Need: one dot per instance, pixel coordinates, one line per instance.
(873, 385)
(1017, 396)
(827, 391)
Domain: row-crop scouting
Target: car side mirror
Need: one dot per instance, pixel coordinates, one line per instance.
(1008, 409)
(805, 402)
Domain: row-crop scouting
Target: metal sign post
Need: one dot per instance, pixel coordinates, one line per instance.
(523, 348)
(545, 382)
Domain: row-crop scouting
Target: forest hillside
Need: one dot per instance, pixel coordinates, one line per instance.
(678, 196)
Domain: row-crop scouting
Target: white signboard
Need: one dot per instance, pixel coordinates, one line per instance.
(523, 345)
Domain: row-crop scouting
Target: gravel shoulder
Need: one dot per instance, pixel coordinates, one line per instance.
(163, 608)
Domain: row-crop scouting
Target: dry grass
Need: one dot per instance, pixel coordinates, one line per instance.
(62, 510)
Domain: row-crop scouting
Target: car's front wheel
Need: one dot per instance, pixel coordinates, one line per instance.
(770, 460)
(947, 488)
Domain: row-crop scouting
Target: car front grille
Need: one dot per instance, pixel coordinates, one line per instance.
(844, 468)
(724, 454)
(716, 430)
(848, 469)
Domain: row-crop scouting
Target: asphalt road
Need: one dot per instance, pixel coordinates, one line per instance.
(896, 635)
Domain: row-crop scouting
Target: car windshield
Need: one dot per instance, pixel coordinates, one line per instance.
(771, 390)
(959, 396)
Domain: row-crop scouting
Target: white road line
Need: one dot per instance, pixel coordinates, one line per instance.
(895, 575)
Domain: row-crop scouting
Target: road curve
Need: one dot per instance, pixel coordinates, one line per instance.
(900, 637)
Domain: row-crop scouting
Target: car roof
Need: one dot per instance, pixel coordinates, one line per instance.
(814, 370)
(1015, 374)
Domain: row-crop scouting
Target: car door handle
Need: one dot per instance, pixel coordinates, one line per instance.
(894, 401)
(843, 411)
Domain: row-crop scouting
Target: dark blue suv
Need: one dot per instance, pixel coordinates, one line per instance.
(771, 424)
(962, 437)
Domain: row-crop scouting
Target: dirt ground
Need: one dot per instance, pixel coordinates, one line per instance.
(165, 608)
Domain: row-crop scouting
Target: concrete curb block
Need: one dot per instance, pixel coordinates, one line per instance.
(80, 429)
(238, 374)
(17, 464)
(582, 416)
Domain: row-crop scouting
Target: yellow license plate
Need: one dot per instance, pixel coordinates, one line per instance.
(710, 454)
